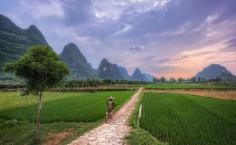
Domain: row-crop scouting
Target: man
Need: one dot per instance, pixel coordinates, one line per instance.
(110, 106)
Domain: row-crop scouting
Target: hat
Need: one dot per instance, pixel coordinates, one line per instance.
(110, 98)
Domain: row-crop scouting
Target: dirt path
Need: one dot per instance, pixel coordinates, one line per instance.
(114, 132)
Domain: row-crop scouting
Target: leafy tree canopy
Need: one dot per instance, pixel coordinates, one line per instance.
(40, 67)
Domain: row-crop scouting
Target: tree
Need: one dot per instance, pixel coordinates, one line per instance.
(163, 79)
(41, 69)
(156, 80)
(193, 79)
(180, 80)
(172, 80)
(198, 79)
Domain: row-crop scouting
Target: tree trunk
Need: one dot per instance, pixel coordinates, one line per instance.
(37, 128)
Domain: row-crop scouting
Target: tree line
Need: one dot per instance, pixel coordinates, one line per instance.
(108, 82)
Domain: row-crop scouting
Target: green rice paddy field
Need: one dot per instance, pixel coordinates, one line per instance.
(221, 86)
(61, 111)
(179, 119)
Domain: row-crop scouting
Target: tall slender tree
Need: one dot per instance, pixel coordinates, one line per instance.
(41, 69)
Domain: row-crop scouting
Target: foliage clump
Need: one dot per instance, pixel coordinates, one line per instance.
(41, 69)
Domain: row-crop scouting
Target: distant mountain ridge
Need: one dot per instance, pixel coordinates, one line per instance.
(215, 71)
(14, 41)
(149, 78)
(139, 76)
(124, 72)
(107, 70)
(80, 69)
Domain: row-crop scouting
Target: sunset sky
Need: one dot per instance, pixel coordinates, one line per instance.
(171, 38)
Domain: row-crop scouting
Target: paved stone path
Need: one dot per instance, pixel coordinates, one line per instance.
(114, 132)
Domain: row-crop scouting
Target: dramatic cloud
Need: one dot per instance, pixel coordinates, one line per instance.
(163, 37)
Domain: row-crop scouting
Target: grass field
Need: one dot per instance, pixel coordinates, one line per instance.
(61, 111)
(188, 86)
(140, 136)
(189, 120)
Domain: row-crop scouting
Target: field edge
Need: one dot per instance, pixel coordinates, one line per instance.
(139, 136)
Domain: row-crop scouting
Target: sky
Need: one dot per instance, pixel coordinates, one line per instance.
(170, 38)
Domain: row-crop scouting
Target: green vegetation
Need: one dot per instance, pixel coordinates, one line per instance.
(140, 136)
(189, 86)
(15, 132)
(41, 69)
(61, 111)
(127, 84)
(70, 107)
(189, 120)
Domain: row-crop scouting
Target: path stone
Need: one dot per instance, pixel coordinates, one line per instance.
(111, 133)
